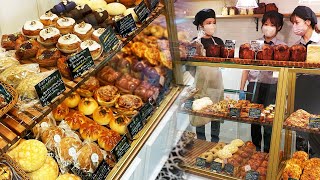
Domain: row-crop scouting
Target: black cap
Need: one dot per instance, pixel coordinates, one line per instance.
(305, 13)
(202, 15)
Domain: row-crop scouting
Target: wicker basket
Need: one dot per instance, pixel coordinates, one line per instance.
(14, 100)
(19, 173)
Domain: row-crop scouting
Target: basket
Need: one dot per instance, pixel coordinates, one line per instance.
(18, 172)
(9, 89)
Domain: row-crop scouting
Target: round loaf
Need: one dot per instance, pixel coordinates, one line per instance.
(86, 154)
(49, 170)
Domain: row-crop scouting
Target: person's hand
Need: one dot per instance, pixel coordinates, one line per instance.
(242, 95)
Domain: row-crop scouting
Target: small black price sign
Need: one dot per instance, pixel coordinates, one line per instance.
(230, 44)
(135, 125)
(252, 175)
(200, 162)
(215, 166)
(142, 11)
(314, 122)
(188, 104)
(121, 148)
(108, 39)
(146, 110)
(7, 96)
(102, 171)
(126, 25)
(80, 63)
(292, 178)
(154, 4)
(160, 96)
(50, 87)
(234, 112)
(229, 169)
(191, 51)
(83, 175)
(254, 113)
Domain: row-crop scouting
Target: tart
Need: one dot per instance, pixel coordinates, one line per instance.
(107, 95)
(128, 104)
(48, 57)
(68, 43)
(65, 25)
(8, 41)
(97, 33)
(94, 48)
(32, 28)
(83, 30)
(27, 49)
(49, 36)
(88, 88)
(49, 19)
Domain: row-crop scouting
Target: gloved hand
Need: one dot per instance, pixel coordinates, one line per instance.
(242, 95)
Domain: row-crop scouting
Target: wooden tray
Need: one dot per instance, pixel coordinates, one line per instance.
(14, 100)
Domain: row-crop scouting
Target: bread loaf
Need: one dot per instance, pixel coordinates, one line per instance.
(281, 52)
(266, 53)
(298, 53)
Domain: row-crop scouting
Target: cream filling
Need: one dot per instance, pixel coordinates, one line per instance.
(33, 25)
(64, 22)
(49, 32)
(92, 45)
(69, 39)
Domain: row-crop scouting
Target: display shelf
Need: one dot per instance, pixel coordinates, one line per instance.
(143, 135)
(302, 129)
(26, 119)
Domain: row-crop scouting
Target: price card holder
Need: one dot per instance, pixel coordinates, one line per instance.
(154, 4)
(256, 46)
(121, 148)
(142, 11)
(126, 25)
(252, 175)
(80, 63)
(230, 44)
(292, 178)
(188, 104)
(191, 51)
(102, 171)
(108, 39)
(200, 162)
(229, 169)
(160, 96)
(50, 87)
(254, 113)
(135, 126)
(314, 122)
(234, 112)
(83, 175)
(7, 96)
(216, 167)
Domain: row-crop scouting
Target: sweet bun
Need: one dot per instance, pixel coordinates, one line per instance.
(49, 19)
(87, 106)
(60, 112)
(107, 95)
(119, 124)
(108, 139)
(48, 57)
(208, 156)
(223, 154)
(94, 48)
(90, 131)
(83, 30)
(27, 49)
(97, 33)
(68, 176)
(88, 88)
(237, 142)
(87, 158)
(103, 115)
(65, 25)
(74, 119)
(69, 43)
(8, 41)
(231, 148)
(303, 156)
(66, 144)
(50, 170)
(52, 136)
(73, 100)
(49, 36)
(32, 28)
(115, 9)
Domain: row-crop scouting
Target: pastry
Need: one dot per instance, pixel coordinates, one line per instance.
(292, 171)
(87, 106)
(49, 170)
(237, 142)
(49, 36)
(32, 28)
(83, 30)
(115, 9)
(266, 53)
(107, 95)
(127, 84)
(27, 49)
(63, 67)
(245, 52)
(108, 139)
(101, 15)
(73, 100)
(65, 25)
(88, 88)
(66, 146)
(103, 115)
(146, 91)
(48, 57)
(303, 156)
(91, 19)
(5, 172)
(108, 76)
(139, 48)
(94, 48)
(8, 41)
(74, 119)
(223, 154)
(68, 43)
(49, 19)
(157, 31)
(208, 156)
(89, 157)
(230, 148)
(52, 136)
(119, 124)
(127, 3)
(68, 176)
(60, 112)
(300, 118)
(97, 33)
(128, 104)
(281, 52)
(298, 53)
(201, 103)
(30, 155)
(152, 55)
(90, 131)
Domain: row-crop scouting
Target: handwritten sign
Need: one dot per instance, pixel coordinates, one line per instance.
(142, 11)
(80, 63)
(121, 148)
(108, 39)
(126, 25)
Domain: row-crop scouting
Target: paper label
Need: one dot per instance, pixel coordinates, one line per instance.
(72, 152)
(135, 126)
(108, 39)
(256, 45)
(230, 44)
(247, 168)
(142, 11)
(252, 175)
(57, 138)
(44, 125)
(234, 112)
(200, 162)
(121, 148)
(254, 113)
(94, 158)
(7, 96)
(216, 167)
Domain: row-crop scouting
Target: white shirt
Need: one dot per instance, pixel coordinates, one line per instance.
(315, 38)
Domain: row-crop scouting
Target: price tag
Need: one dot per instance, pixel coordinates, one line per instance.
(57, 138)
(256, 45)
(314, 122)
(234, 112)
(126, 25)
(188, 104)
(102, 171)
(145, 111)
(200, 162)
(230, 44)
(7, 96)
(292, 178)
(72, 152)
(50, 87)
(247, 168)
(80, 63)
(83, 175)
(252, 175)
(275, 74)
(142, 11)
(154, 4)
(108, 39)
(121, 148)
(254, 113)
(135, 125)
(216, 167)
(229, 169)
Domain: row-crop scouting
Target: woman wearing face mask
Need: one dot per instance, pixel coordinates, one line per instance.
(208, 79)
(262, 86)
(307, 94)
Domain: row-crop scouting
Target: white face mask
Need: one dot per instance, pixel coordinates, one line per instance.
(269, 31)
(300, 29)
(209, 29)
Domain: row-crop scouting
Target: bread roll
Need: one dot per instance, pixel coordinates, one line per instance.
(66, 145)
(108, 139)
(87, 158)
(74, 119)
(103, 115)
(68, 176)
(49, 170)
(90, 131)
(52, 136)
(60, 112)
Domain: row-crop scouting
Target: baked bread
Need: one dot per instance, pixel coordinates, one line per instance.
(281, 52)
(119, 124)
(90, 131)
(146, 91)
(245, 52)
(87, 106)
(103, 115)
(49, 36)
(65, 25)
(108, 76)
(303, 156)
(49, 170)
(97, 33)
(83, 30)
(27, 49)
(48, 57)
(49, 19)
(152, 55)
(213, 51)
(68, 176)
(237, 142)
(8, 41)
(60, 112)
(88, 88)
(227, 53)
(89, 157)
(66, 146)
(75, 119)
(72, 100)
(108, 139)
(139, 48)
(52, 136)
(128, 104)
(68, 43)
(127, 84)
(298, 53)
(32, 28)
(107, 95)
(266, 53)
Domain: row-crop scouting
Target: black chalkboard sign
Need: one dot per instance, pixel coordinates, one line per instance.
(154, 4)
(142, 11)
(216, 167)
(200, 162)
(82, 174)
(135, 126)
(146, 110)
(121, 148)
(80, 63)
(126, 25)
(234, 112)
(229, 169)
(50, 87)
(230, 44)
(108, 39)
(7, 96)
(292, 178)
(102, 171)
(252, 175)
(314, 122)
(254, 113)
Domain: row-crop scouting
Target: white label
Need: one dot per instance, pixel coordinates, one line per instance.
(275, 74)
(72, 152)
(44, 125)
(94, 158)
(247, 168)
(57, 138)
(161, 80)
